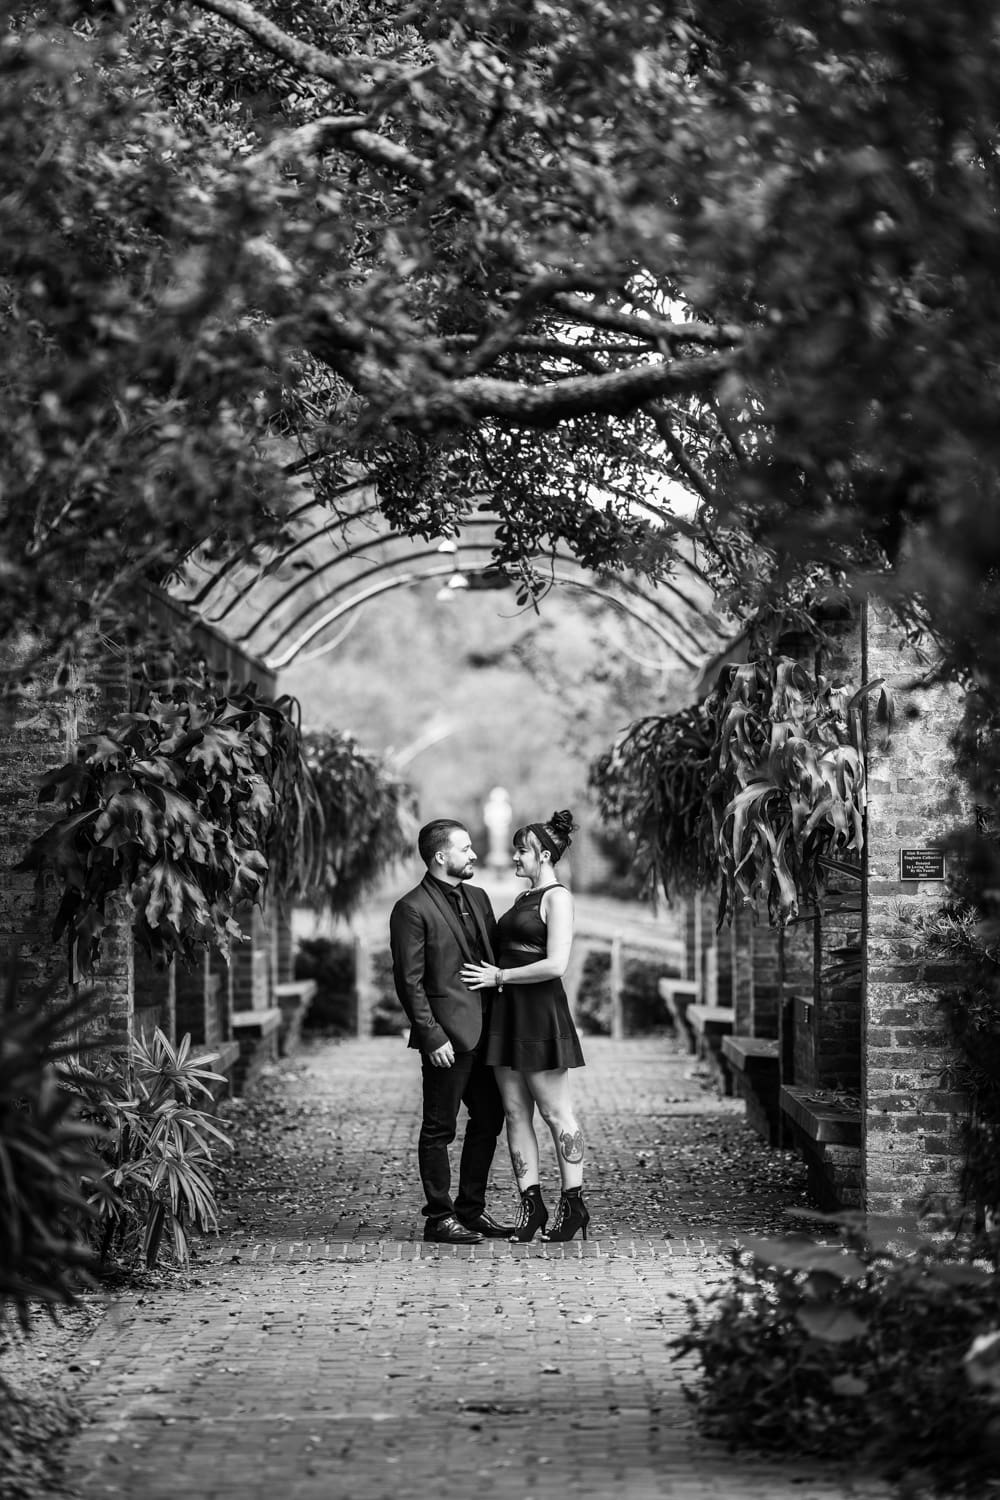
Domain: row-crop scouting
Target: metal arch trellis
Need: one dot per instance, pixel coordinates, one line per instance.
(446, 570)
(647, 599)
(234, 561)
(375, 541)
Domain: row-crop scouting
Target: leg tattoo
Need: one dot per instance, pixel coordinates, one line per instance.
(519, 1164)
(571, 1146)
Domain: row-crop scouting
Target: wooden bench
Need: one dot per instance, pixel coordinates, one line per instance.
(710, 1024)
(294, 998)
(755, 1065)
(679, 995)
(225, 1060)
(828, 1135)
(257, 1032)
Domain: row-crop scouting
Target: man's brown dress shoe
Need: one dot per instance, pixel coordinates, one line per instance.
(448, 1231)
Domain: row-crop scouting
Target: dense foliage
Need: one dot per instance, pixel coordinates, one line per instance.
(369, 818)
(562, 253)
(756, 787)
(47, 1153)
(332, 964)
(191, 805)
(879, 1347)
(968, 980)
(653, 784)
(642, 1010)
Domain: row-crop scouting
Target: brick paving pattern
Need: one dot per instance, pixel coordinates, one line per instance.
(322, 1351)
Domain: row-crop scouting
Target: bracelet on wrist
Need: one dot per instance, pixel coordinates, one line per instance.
(499, 984)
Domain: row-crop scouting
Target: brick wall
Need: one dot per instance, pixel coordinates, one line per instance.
(223, 972)
(155, 997)
(40, 725)
(766, 976)
(727, 960)
(251, 962)
(737, 941)
(837, 1018)
(701, 945)
(284, 946)
(910, 1119)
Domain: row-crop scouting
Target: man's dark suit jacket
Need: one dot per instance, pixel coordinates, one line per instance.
(429, 947)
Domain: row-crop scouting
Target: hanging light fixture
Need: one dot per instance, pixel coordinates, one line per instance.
(446, 593)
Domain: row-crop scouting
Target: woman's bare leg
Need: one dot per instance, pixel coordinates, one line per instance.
(519, 1108)
(551, 1092)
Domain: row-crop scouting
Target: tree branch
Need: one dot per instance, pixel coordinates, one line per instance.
(468, 401)
(651, 330)
(302, 55)
(694, 476)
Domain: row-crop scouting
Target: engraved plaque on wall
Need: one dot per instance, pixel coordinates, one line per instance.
(921, 864)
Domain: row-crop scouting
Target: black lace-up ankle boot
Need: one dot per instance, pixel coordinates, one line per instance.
(571, 1215)
(531, 1216)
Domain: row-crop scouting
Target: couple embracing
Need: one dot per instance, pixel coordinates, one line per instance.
(490, 1018)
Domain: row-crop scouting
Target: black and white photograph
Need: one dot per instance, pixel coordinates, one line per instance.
(499, 750)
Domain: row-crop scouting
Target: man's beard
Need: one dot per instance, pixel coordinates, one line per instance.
(461, 871)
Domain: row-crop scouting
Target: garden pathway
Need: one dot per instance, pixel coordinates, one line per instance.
(320, 1351)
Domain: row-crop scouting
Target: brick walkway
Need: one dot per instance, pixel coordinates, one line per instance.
(322, 1352)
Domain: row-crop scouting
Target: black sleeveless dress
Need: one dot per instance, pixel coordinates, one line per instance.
(531, 1028)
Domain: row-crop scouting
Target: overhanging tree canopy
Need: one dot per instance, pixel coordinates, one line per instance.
(558, 253)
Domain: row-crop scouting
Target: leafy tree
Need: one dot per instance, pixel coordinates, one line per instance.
(539, 255)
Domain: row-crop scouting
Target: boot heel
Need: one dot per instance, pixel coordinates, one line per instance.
(571, 1215)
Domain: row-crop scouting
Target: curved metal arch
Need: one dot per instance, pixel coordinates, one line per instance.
(378, 541)
(372, 543)
(445, 570)
(293, 515)
(627, 587)
(299, 583)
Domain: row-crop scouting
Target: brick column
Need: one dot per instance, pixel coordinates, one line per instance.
(284, 946)
(766, 943)
(251, 962)
(155, 998)
(910, 1119)
(726, 960)
(40, 727)
(740, 945)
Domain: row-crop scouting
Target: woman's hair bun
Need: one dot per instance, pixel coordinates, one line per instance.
(562, 825)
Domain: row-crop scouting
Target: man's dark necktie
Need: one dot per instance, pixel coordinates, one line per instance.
(469, 922)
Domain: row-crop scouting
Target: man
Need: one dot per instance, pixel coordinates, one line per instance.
(434, 930)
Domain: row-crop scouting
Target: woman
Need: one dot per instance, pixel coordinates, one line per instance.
(532, 1042)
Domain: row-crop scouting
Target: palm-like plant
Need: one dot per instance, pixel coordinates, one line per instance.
(161, 1159)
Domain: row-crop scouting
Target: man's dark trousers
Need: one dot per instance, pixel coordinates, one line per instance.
(470, 1082)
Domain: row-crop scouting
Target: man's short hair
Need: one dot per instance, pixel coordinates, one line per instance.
(435, 836)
